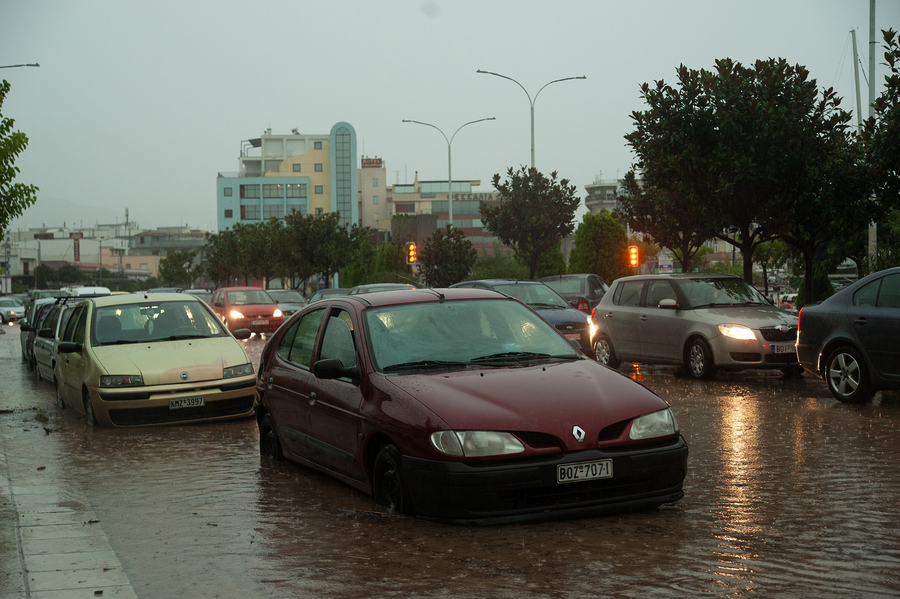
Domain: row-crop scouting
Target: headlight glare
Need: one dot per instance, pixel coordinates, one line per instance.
(236, 314)
(276, 313)
(122, 380)
(655, 424)
(737, 331)
(476, 443)
(232, 371)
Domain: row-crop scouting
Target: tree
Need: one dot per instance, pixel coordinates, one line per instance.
(222, 255)
(178, 269)
(14, 197)
(497, 265)
(534, 214)
(69, 274)
(446, 258)
(882, 131)
(600, 246)
(771, 255)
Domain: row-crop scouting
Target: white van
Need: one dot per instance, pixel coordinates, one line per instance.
(78, 291)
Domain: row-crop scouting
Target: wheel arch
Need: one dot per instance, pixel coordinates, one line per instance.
(837, 343)
(376, 442)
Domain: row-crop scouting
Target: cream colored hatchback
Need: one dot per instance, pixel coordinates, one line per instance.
(138, 359)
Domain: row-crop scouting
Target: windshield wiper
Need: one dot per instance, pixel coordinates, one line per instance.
(549, 306)
(179, 337)
(511, 355)
(425, 365)
(120, 342)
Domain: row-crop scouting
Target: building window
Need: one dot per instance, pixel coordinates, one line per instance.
(272, 190)
(249, 191)
(318, 189)
(320, 211)
(374, 199)
(227, 191)
(296, 168)
(228, 213)
(273, 211)
(249, 212)
(375, 182)
(296, 190)
(318, 167)
(317, 145)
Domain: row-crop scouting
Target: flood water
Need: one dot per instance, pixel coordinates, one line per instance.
(789, 494)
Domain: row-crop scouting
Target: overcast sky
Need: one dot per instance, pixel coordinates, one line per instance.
(139, 105)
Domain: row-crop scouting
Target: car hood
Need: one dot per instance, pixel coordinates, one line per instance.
(751, 316)
(163, 362)
(548, 398)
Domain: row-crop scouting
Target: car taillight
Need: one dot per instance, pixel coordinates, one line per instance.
(583, 305)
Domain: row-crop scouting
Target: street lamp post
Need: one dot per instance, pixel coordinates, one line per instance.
(530, 100)
(449, 161)
(13, 66)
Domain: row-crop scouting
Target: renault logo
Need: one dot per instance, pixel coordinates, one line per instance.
(578, 433)
(184, 376)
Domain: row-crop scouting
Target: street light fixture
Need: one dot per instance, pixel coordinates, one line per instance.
(530, 101)
(449, 162)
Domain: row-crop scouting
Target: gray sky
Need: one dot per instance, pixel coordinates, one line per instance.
(140, 105)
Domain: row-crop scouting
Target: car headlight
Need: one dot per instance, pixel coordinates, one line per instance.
(656, 424)
(122, 380)
(737, 331)
(276, 313)
(472, 444)
(236, 314)
(232, 371)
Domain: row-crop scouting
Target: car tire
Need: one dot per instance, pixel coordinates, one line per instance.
(269, 445)
(847, 376)
(699, 360)
(605, 353)
(60, 402)
(388, 484)
(89, 418)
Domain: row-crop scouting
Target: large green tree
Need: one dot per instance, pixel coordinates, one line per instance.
(600, 246)
(882, 131)
(446, 257)
(534, 214)
(14, 197)
(178, 269)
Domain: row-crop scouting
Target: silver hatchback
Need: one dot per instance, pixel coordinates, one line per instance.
(705, 322)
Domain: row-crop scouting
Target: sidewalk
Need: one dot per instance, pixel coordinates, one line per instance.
(51, 543)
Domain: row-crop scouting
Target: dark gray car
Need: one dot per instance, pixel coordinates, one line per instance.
(583, 291)
(851, 339)
(705, 322)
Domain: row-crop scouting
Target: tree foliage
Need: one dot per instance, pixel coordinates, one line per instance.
(882, 131)
(497, 265)
(600, 247)
(178, 269)
(534, 214)
(446, 257)
(14, 197)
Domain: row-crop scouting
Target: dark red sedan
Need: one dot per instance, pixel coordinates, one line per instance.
(463, 405)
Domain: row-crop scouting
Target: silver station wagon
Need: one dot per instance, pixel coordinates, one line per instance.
(705, 322)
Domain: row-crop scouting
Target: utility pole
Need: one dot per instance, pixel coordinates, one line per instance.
(873, 231)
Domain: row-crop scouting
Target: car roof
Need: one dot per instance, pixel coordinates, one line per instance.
(416, 296)
(681, 276)
(137, 298)
(493, 282)
(245, 288)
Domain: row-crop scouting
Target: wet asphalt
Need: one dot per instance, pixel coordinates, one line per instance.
(789, 494)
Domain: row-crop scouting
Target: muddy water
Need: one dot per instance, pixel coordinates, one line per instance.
(789, 494)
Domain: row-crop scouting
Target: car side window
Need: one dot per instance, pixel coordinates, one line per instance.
(629, 293)
(302, 347)
(867, 295)
(70, 334)
(337, 342)
(658, 291)
(889, 296)
(287, 341)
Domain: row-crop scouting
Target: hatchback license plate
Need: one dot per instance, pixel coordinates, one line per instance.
(258, 322)
(573, 336)
(186, 402)
(783, 348)
(571, 473)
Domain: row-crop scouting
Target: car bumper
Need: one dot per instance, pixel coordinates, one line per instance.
(143, 406)
(736, 354)
(527, 490)
(269, 327)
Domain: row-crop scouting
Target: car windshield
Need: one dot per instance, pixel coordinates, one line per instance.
(712, 292)
(153, 321)
(536, 296)
(287, 296)
(459, 334)
(249, 297)
(570, 286)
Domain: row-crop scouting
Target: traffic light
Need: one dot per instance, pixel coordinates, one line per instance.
(633, 257)
(410, 252)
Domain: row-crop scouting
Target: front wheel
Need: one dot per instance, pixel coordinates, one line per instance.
(269, 445)
(605, 353)
(699, 361)
(89, 417)
(60, 402)
(388, 484)
(847, 378)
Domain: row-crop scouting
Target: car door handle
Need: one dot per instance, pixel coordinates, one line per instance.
(608, 315)
(313, 398)
(270, 382)
(861, 321)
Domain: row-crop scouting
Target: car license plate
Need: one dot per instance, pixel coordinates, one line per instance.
(186, 402)
(571, 473)
(573, 336)
(783, 348)
(257, 322)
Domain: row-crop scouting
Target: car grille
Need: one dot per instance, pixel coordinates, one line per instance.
(162, 414)
(773, 334)
(744, 356)
(790, 358)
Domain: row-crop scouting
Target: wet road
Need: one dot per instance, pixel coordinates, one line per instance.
(789, 494)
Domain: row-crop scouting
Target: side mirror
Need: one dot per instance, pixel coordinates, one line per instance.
(242, 334)
(69, 347)
(668, 304)
(26, 327)
(334, 369)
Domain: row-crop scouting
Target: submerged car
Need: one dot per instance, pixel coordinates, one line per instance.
(157, 358)
(851, 339)
(572, 323)
(46, 340)
(705, 322)
(247, 308)
(463, 405)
